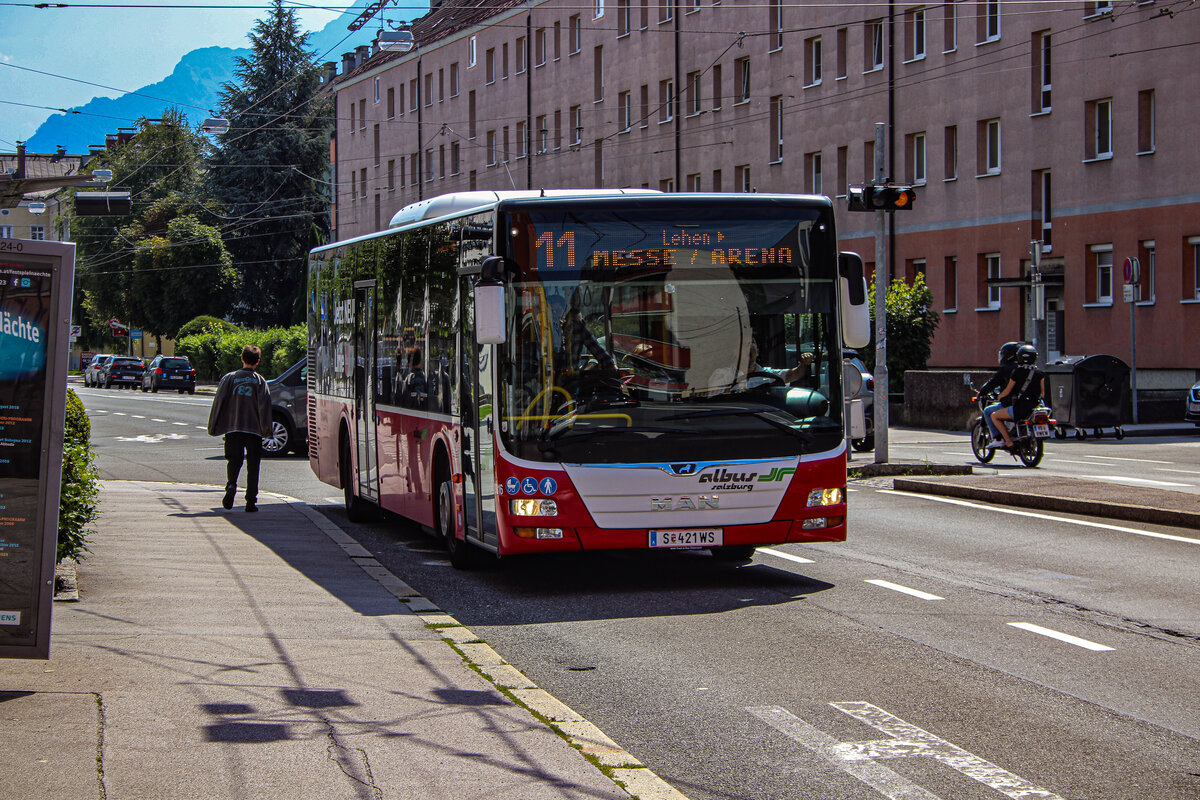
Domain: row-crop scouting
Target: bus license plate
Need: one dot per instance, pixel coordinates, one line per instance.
(704, 537)
(1041, 431)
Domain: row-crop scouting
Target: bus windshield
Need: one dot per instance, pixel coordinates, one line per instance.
(693, 331)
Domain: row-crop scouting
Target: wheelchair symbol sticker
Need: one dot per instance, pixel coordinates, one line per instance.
(529, 486)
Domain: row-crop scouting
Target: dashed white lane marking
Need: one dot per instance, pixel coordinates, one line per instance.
(1119, 458)
(1133, 481)
(119, 414)
(151, 438)
(907, 741)
(895, 587)
(138, 416)
(156, 419)
(184, 424)
(788, 556)
(1062, 637)
(1082, 522)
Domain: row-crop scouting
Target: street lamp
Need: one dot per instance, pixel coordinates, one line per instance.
(400, 41)
(36, 207)
(215, 125)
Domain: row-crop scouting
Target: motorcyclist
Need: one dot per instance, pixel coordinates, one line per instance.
(1007, 358)
(1025, 389)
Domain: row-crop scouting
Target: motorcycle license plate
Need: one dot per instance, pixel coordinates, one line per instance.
(707, 537)
(1041, 431)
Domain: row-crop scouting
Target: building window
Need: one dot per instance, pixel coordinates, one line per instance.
(378, 97)
(813, 173)
(694, 100)
(401, 181)
(455, 159)
(624, 18)
(504, 61)
(949, 27)
(598, 74)
(666, 11)
(666, 101)
(645, 13)
(353, 118)
(576, 125)
(414, 96)
(470, 52)
(362, 182)
(842, 35)
(428, 165)
(989, 20)
(37, 233)
(1043, 207)
(414, 169)
(376, 146)
(1146, 252)
(522, 54)
(1098, 8)
(428, 89)
(506, 151)
(597, 9)
(522, 140)
(812, 61)
(914, 34)
(557, 40)
(988, 152)
(362, 114)
(718, 89)
(1098, 118)
(625, 110)
(442, 161)
(1041, 72)
(539, 47)
(491, 148)
(576, 35)
(693, 182)
(777, 128)
(543, 135)
(6, 231)
(989, 269)
(1191, 269)
(716, 180)
(777, 24)
(1146, 122)
(1102, 261)
(742, 75)
(950, 284)
(742, 178)
(645, 106)
(558, 136)
(666, 185)
(391, 103)
(873, 45)
(471, 118)
(914, 147)
(843, 158)
(950, 153)
(489, 65)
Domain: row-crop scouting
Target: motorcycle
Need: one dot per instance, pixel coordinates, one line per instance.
(1027, 434)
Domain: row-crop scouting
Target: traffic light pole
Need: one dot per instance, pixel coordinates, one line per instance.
(881, 370)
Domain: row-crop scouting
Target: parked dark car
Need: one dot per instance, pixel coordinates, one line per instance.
(1192, 414)
(93, 373)
(122, 371)
(169, 372)
(289, 412)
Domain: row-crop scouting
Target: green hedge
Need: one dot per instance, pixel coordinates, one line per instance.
(203, 323)
(80, 482)
(214, 353)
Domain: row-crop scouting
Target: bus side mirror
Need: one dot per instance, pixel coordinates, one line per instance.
(489, 302)
(856, 314)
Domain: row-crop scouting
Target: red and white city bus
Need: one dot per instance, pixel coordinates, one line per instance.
(533, 372)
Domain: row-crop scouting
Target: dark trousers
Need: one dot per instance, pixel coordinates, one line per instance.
(243, 447)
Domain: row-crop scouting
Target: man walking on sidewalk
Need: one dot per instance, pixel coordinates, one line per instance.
(242, 412)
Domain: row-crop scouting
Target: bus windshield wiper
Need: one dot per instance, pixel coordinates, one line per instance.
(774, 422)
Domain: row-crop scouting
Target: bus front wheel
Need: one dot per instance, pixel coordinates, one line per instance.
(463, 555)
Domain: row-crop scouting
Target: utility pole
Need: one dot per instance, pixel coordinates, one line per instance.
(881, 370)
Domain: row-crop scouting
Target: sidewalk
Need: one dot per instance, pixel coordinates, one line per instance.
(221, 654)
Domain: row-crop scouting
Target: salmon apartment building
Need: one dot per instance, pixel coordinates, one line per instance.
(1075, 124)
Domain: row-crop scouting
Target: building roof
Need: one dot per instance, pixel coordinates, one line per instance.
(42, 175)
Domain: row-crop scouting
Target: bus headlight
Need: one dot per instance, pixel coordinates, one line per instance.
(826, 497)
(534, 507)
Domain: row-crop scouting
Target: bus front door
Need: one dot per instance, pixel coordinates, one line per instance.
(364, 389)
(479, 479)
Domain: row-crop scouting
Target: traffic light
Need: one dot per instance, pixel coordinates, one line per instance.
(881, 197)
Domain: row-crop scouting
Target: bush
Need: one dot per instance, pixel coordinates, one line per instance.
(214, 353)
(203, 324)
(80, 483)
(911, 323)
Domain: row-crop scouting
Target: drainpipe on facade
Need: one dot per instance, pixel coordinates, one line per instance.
(675, 105)
(529, 99)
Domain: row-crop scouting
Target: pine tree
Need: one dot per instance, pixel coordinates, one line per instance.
(268, 167)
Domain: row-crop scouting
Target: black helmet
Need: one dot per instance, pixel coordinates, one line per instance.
(1026, 355)
(1008, 352)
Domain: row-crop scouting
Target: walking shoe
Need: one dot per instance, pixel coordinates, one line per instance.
(995, 444)
(227, 500)
(251, 508)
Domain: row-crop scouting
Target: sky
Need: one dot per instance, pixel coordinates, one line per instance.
(126, 44)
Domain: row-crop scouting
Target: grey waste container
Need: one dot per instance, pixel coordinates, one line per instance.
(1089, 392)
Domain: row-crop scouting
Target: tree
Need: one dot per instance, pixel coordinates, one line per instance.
(911, 323)
(186, 270)
(279, 137)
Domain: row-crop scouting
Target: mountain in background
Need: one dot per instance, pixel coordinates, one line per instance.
(194, 87)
